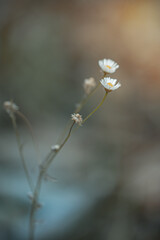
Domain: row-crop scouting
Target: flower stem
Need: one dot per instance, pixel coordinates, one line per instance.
(86, 98)
(28, 124)
(42, 173)
(78, 109)
(21, 152)
(95, 108)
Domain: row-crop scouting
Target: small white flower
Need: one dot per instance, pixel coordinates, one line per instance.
(55, 147)
(89, 84)
(108, 65)
(77, 118)
(110, 84)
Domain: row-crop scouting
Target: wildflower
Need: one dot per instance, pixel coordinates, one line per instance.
(77, 118)
(10, 107)
(55, 148)
(89, 84)
(108, 65)
(110, 84)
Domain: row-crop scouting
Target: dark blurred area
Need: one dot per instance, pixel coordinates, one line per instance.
(108, 174)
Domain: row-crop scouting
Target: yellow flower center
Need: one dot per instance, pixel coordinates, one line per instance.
(108, 66)
(110, 84)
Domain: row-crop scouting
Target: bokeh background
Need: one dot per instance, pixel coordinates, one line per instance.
(108, 174)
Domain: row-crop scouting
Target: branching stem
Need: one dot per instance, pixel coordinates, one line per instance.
(42, 173)
(78, 109)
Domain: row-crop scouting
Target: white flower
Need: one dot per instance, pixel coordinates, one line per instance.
(108, 65)
(110, 84)
(77, 118)
(89, 84)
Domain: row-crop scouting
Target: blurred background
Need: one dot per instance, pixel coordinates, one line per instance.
(108, 174)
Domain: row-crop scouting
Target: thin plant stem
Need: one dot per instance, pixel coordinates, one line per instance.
(92, 111)
(68, 125)
(42, 173)
(77, 110)
(86, 98)
(21, 152)
(30, 129)
(27, 123)
(95, 108)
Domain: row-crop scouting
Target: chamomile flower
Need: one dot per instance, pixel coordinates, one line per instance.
(108, 65)
(110, 84)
